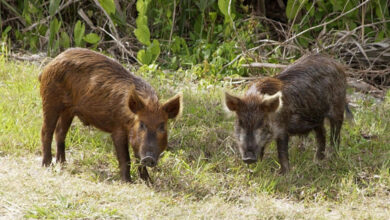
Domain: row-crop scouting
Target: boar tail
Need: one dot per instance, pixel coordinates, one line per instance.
(348, 112)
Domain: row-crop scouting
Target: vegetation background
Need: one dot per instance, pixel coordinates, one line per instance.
(202, 48)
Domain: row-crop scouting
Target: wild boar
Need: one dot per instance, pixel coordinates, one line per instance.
(101, 92)
(294, 102)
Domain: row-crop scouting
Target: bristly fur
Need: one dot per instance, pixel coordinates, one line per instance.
(101, 92)
(303, 95)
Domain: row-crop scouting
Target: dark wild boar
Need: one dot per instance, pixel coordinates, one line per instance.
(102, 93)
(295, 102)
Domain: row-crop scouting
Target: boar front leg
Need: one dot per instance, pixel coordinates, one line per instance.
(282, 144)
(120, 140)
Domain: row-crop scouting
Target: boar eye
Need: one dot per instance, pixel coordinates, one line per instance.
(161, 127)
(142, 126)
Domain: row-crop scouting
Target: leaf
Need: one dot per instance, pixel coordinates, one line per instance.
(53, 7)
(141, 20)
(65, 40)
(142, 6)
(154, 50)
(5, 32)
(91, 38)
(78, 33)
(293, 7)
(143, 35)
(54, 28)
(223, 5)
(143, 57)
(213, 16)
(108, 6)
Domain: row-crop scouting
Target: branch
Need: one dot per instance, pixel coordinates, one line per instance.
(44, 20)
(173, 23)
(120, 45)
(268, 65)
(326, 23)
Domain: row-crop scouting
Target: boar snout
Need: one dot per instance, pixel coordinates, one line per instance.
(149, 160)
(249, 157)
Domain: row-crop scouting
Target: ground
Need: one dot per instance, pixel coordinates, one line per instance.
(201, 175)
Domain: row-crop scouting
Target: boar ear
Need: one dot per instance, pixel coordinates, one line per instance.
(232, 102)
(272, 103)
(174, 106)
(135, 103)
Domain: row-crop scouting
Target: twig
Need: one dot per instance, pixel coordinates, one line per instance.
(120, 45)
(173, 23)
(20, 17)
(267, 65)
(326, 23)
(86, 19)
(112, 25)
(44, 20)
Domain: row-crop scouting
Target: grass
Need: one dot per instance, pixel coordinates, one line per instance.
(200, 176)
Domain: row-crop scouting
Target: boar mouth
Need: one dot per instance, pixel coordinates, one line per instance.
(249, 157)
(149, 160)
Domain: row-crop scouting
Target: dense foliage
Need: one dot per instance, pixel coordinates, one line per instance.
(216, 36)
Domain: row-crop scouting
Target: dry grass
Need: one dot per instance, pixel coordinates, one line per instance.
(29, 191)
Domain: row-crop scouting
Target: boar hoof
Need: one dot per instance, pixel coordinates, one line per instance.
(283, 171)
(46, 162)
(320, 156)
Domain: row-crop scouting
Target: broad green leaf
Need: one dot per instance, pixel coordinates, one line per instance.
(154, 50)
(141, 7)
(65, 40)
(213, 16)
(293, 7)
(54, 28)
(53, 7)
(53, 43)
(143, 57)
(5, 31)
(141, 20)
(78, 33)
(223, 5)
(143, 35)
(33, 43)
(108, 6)
(91, 38)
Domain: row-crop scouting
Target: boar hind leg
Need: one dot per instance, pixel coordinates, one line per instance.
(120, 140)
(335, 128)
(321, 141)
(63, 124)
(50, 117)
(282, 144)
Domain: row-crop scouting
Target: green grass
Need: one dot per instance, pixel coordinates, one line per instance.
(200, 176)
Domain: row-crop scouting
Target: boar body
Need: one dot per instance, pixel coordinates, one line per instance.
(100, 92)
(295, 102)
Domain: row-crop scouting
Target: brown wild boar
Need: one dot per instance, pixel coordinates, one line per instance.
(101, 92)
(295, 102)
